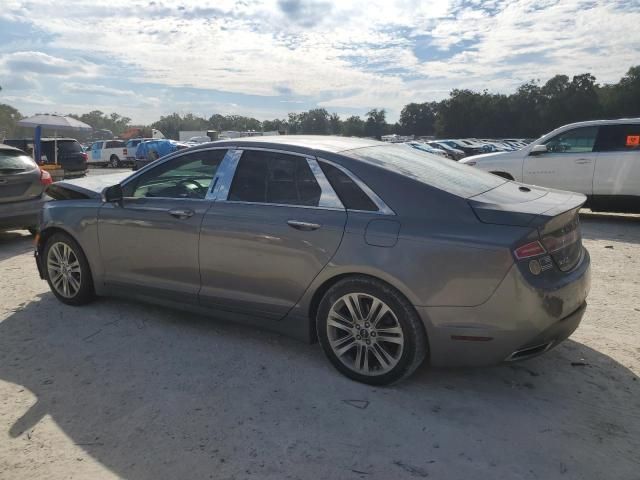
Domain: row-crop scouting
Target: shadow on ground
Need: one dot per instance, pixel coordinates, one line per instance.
(152, 393)
(15, 242)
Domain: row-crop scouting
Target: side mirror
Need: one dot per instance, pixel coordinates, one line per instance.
(112, 194)
(538, 149)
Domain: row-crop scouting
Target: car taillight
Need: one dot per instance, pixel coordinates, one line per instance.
(84, 156)
(45, 178)
(529, 250)
(124, 152)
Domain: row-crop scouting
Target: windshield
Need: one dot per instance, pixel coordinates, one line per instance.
(11, 160)
(427, 168)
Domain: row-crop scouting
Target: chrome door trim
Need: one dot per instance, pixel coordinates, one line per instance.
(383, 208)
(328, 197)
(224, 176)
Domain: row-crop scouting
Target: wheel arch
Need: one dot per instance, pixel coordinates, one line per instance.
(326, 283)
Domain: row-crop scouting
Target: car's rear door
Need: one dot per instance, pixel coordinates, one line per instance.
(150, 241)
(275, 224)
(568, 164)
(616, 181)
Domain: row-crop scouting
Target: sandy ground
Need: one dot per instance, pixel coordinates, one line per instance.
(118, 389)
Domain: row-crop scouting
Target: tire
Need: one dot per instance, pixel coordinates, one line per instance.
(114, 161)
(405, 341)
(54, 254)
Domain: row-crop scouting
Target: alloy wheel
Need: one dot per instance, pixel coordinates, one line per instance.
(64, 269)
(365, 334)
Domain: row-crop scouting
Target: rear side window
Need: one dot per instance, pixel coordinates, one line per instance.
(69, 147)
(271, 177)
(350, 194)
(427, 168)
(578, 140)
(618, 138)
(13, 161)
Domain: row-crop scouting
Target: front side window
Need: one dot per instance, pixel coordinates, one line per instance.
(187, 176)
(578, 140)
(271, 177)
(618, 138)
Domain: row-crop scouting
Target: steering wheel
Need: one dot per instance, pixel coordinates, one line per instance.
(198, 185)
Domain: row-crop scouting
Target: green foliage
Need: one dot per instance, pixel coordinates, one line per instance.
(8, 118)
(99, 120)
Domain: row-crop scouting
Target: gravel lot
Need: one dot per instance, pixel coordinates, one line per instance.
(119, 389)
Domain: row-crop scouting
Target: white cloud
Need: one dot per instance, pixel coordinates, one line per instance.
(349, 54)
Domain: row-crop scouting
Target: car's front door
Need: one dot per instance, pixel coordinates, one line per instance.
(275, 224)
(96, 152)
(568, 163)
(150, 241)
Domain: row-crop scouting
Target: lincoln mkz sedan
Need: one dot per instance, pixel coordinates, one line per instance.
(385, 254)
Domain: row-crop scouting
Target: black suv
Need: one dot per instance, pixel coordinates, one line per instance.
(70, 154)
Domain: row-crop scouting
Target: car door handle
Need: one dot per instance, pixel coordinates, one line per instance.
(583, 161)
(304, 226)
(181, 213)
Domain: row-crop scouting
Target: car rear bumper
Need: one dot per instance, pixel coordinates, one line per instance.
(519, 321)
(20, 214)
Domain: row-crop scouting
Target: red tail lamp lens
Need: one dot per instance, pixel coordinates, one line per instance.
(529, 250)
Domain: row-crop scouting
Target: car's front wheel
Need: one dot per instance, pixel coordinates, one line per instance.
(370, 332)
(67, 270)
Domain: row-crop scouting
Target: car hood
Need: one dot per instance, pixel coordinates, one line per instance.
(90, 187)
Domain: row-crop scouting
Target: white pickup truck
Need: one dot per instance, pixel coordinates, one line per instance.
(108, 153)
(599, 158)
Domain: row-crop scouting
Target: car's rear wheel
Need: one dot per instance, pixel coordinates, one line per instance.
(67, 270)
(370, 332)
(114, 161)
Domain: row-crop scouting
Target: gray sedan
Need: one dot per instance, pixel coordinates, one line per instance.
(385, 254)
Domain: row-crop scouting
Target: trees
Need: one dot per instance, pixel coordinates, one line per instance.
(8, 118)
(376, 124)
(353, 127)
(418, 118)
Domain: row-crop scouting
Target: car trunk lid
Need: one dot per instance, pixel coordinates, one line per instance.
(553, 213)
(19, 177)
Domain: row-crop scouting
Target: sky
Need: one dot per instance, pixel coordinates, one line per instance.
(144, 59)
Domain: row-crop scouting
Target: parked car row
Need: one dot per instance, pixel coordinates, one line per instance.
(71, 156)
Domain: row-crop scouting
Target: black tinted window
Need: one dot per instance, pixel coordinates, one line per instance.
(68, 146)
(578, 140)
(187, 176)
(350, 194)
(618, 138)
(269, 177)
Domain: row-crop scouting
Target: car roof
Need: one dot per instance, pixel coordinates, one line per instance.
(326, 143)
(595, 123)
(9, 147)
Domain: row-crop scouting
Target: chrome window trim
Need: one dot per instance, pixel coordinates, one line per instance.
(383, 208)
(328, 198)
(209, 195)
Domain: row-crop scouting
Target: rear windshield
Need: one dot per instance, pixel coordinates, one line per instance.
(15, 161)
(427, 168)
(69, 146)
